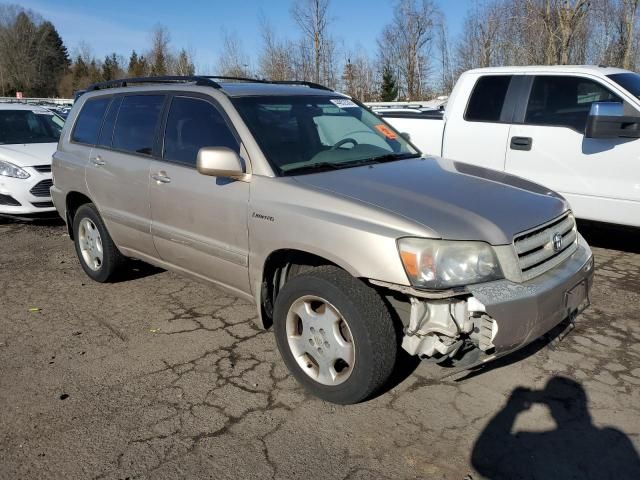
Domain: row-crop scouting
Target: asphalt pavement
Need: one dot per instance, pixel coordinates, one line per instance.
(157, 376)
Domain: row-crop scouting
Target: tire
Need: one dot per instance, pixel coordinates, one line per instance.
(316, 298)
(98, 255)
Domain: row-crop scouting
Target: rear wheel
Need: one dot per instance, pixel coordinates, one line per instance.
(98, 255)
(335, 335)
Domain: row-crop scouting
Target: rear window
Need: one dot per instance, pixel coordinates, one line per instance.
(89, 121)
(487, 99)
(137, 123)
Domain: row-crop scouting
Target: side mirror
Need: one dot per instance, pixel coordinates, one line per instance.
(608, 120)
(406, 136)
(220, 162)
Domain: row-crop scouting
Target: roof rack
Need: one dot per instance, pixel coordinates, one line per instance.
(123, 82)
(200, 80)
(273, 82)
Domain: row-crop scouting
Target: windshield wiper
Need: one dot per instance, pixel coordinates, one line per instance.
(324, 166)
(391, 157)
(313, 167)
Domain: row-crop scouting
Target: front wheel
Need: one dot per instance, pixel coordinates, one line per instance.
(335, 335)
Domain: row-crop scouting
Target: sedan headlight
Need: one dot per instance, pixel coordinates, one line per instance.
(439, 264)
(10, 170)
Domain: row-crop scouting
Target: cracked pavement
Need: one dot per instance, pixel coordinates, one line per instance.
(158, 376)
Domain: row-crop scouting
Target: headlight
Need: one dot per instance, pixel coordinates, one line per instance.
(10, 170)
(441, 264)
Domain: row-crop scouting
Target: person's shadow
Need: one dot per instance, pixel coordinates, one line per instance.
(576, 449)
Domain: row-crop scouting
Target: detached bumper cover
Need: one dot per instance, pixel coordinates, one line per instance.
(525, 311)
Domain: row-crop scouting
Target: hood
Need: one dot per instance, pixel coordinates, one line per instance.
(28, 155)
(457, 200)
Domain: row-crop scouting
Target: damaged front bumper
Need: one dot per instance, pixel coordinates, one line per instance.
(499, 317)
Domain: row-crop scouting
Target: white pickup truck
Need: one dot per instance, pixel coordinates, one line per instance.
(573, 129)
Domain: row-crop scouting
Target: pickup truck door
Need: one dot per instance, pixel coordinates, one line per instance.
(599, 177)
(477, 131)
(198, 222)
(117, 174)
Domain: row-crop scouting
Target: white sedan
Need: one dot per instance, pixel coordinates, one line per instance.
(28, 138)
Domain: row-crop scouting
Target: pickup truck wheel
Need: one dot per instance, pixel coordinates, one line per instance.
(335, 335)
(98, 255)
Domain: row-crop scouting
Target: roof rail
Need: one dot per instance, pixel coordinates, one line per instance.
(123, 82)
(201, 80)
(273, 82)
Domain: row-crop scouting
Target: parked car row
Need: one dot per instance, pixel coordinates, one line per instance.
(350, 242)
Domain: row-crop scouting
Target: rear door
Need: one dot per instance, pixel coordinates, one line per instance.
(599, 177)
(199, 222)
(118, 169)
(477, 132)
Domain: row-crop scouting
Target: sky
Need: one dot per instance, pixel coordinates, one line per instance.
(199, 25)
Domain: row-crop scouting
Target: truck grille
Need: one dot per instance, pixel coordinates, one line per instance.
(43, 168)
(546, 246)
(41, 189)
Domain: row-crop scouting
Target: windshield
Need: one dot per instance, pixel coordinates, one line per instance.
(28, 126)
(306, 134)
(629, 81)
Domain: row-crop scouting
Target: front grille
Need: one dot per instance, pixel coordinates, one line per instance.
(535, 248)
(42, 204)
(43, 168)
(41, 189)
(9, 200)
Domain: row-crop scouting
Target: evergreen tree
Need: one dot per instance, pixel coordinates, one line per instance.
(111, 68)
(184, 65)
(389, 88)
(137, 65)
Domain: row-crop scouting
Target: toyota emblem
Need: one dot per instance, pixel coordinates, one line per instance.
(557, 242)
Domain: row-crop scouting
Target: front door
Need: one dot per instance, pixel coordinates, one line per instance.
(199, 223)
(599, 177)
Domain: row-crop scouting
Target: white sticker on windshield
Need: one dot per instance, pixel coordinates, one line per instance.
(42, 112)
(343, 103)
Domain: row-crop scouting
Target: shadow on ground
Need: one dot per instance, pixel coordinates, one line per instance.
(575, 449)
(625, 239)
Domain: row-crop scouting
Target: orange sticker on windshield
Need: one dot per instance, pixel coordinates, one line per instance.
(386, 131)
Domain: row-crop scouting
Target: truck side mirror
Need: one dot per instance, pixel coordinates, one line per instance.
(607, 120)
(220, 162)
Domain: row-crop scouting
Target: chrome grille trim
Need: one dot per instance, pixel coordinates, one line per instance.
(535, 250)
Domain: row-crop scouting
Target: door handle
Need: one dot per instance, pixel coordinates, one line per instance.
(97, 161)
(161, 177)
(521, 143)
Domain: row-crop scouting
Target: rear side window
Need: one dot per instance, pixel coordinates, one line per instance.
(564, 101)
(487, 99)
(106, 132)
(89, 120)
(137, 122)
(191, 125)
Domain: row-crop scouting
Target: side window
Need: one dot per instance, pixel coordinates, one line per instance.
(564, 101)
(89, 120)
(137, 121)
(191, 125)
(487, 99)
(106, 132)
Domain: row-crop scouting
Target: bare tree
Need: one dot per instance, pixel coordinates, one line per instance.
(183, 64)
(277, 57)
(312, 18)
(406, 42)
(359, 79)
(159, 57)
(233, 61)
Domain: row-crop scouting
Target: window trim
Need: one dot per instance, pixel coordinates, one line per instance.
(75, 120)
(193, 96)
(504, 105)
(521, 120)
